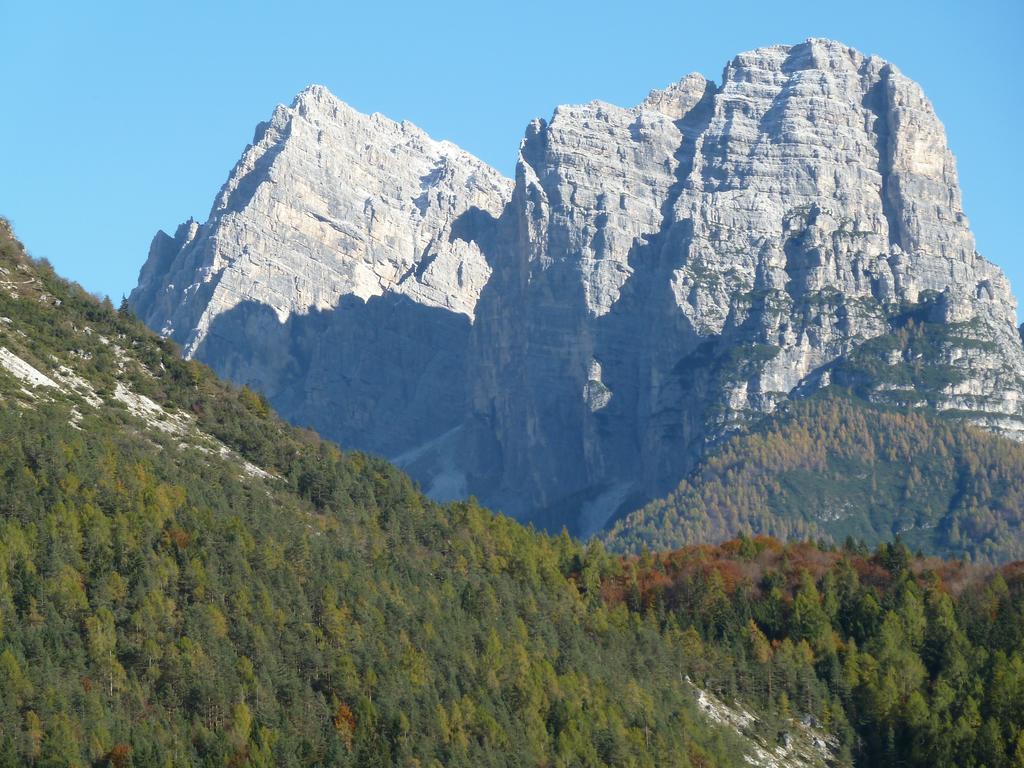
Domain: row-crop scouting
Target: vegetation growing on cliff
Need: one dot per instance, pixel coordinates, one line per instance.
(835, 466)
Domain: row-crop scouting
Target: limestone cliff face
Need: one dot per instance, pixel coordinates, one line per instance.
(681, 267)
(656, 278)
(337, 272)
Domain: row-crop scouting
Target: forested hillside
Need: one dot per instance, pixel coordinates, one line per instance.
(912, 661)
(836, 466)
(186, 580)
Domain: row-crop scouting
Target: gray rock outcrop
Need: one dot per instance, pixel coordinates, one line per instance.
(337, 273)
(565, 346)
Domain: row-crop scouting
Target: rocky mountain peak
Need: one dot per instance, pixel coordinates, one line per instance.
(327, 202)
(676, 101)
(657, 277)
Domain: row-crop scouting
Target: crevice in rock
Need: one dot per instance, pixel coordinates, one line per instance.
(245, 189)
(877, 102)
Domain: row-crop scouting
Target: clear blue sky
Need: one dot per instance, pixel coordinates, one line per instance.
(119, 119)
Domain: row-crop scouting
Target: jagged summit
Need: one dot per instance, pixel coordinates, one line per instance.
(317, 103)
(676, 100)
(315, 92)
(568, 344)
(326, 202)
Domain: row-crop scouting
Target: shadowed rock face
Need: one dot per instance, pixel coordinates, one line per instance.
(566, 345)
(378, 374)
(338, 273)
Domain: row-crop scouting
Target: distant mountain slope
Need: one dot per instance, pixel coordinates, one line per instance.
(680, 268)
(838, 467)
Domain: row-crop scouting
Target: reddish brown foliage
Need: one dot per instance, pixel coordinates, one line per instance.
(743, 564)
(179, 538)
(345, 723)
(119, 756)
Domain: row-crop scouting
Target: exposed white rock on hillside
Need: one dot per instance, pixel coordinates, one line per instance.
(803, 744)
(24, 371)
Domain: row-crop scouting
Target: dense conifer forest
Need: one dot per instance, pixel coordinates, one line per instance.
(835, 466)
(186, 580)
